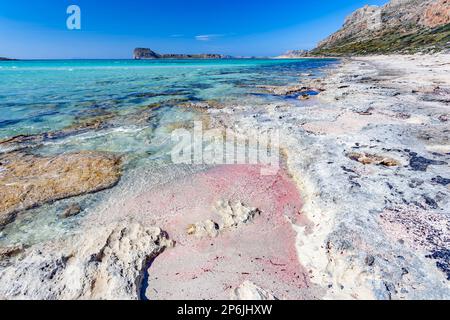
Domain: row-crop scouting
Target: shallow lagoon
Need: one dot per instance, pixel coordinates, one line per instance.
(140, 102)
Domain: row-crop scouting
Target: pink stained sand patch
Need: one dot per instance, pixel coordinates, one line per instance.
(262, 251)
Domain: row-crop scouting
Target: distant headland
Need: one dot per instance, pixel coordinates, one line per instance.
(6, 59)
(146, 54)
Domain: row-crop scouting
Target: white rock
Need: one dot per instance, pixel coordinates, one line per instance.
(207, 228)
(249, 291)
(103, 263)
(234, 214)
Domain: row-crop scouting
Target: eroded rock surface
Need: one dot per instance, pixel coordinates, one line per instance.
(373, 143)
(234, 214)
(27, 181)
(207, 228)
(365, 159)
(102, 263)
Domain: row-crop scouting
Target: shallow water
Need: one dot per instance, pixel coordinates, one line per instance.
(38, 96)
(46, 96)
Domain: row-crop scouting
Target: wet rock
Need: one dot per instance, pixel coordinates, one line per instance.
(234, 214)
(71, 211)
(284, 90)
(296, 90)
(443, 118)
(366, 159)
(204, 105)
(367, 112)
(418, 163)
(248, 291)
(29, 181)
(207, 228)
(442, 257)
(107, 263)
(7, 252)
(440, 180)
(416, 183)
(304, 97)
(81, 125)
(403, 116)
(430, 202)
(370, 260)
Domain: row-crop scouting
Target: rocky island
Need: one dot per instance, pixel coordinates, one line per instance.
(148, 54)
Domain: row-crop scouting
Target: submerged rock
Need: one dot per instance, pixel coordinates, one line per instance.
(71, 211)
(102, 263)
(286, 90)
(28, 181)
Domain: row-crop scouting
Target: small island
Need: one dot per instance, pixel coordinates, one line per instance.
(6, 59)
(148, 54)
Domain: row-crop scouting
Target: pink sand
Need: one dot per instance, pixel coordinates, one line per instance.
(262, 251)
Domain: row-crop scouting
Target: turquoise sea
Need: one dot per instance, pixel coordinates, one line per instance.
(135, 103)
(39, 96)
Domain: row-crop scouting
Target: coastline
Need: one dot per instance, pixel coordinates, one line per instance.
(366, 166)
(370, 235)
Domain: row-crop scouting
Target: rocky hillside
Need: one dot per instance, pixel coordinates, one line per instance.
(293, 54)
(400, 26)
(144, 53)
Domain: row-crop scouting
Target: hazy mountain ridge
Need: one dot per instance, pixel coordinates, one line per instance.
(404, 26)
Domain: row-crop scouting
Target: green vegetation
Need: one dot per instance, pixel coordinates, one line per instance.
(426, 40)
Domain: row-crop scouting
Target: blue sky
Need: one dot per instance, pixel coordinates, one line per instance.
(113, 28)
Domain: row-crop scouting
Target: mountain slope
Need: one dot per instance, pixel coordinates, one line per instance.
(400, 26)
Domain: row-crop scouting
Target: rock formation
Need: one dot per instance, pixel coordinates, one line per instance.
(292, 54)
(143, 53)
(147, 54)
(234, 214)
(27, 181)
(105, 263)
(399, 26)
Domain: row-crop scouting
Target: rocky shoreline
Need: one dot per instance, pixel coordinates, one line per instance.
(358, 211)
(371, 156)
